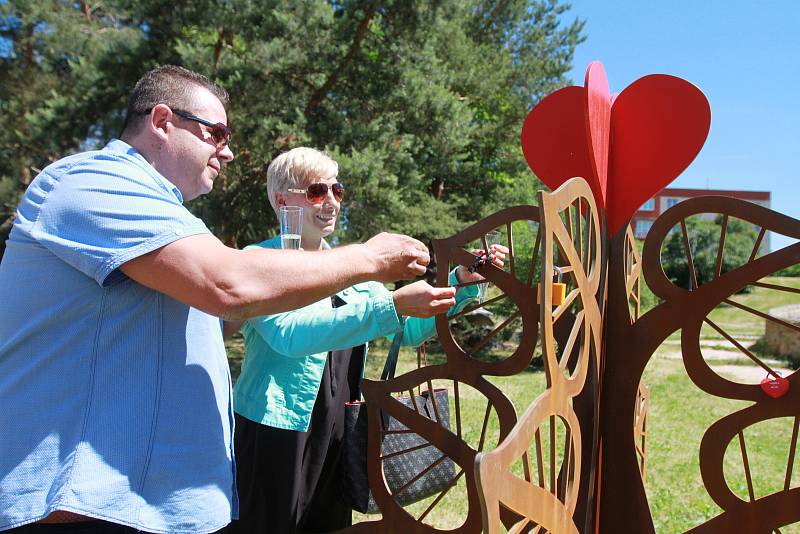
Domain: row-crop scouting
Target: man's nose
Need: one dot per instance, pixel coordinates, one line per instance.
(225, 154)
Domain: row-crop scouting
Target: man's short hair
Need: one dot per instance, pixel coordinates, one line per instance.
(296, 169)
(170, 85)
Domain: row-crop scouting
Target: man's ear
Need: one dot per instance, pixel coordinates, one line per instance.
(159, 121)
(279, 200)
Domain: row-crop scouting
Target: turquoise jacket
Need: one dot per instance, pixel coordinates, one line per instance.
(285, 353)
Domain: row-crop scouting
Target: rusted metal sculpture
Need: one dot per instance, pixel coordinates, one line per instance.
(575, 459)
(629, 347)
(460, 372)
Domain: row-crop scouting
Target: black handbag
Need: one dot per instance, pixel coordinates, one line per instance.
(399, 470)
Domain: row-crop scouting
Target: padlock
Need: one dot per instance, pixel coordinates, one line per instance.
(559, 289)
(775, 386)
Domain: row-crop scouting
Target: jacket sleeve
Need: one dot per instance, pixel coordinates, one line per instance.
(316, 329)
(418, 330)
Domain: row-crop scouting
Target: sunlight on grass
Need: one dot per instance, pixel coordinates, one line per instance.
(767, 448)
(737, 321)
(679, 415)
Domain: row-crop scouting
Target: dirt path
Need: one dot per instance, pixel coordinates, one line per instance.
(746, 373)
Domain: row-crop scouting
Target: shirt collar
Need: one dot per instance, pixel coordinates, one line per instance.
(117, 145)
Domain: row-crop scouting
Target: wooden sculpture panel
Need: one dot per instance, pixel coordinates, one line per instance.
(547, 495)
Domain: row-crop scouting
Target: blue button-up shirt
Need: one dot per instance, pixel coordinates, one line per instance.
(115, 399)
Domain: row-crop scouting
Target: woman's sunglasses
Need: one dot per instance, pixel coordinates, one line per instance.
(220, 133)
(315, 193)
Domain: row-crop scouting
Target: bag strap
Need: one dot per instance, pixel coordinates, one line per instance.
(422, 361)
(391, 359)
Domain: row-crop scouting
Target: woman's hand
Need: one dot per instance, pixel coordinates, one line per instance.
(498, 255)
(421, 299)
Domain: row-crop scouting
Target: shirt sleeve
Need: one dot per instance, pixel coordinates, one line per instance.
(105, 212)
(316, 329)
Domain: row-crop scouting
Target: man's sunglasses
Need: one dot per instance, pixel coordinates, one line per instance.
(315, 193)
(220, 133)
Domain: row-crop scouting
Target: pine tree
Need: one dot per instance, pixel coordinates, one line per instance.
(421, 103)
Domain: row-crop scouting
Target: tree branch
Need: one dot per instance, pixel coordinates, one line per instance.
(225, 38)
(319, 94)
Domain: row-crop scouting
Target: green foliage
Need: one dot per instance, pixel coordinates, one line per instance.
(421, 103)
(648, 299)
(792, 271)
(704, 240)
(9, 197)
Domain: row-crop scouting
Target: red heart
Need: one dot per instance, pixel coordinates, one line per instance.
(775, 386)
(598, 125)
(554, 140)
(658, 123)
(627, 147)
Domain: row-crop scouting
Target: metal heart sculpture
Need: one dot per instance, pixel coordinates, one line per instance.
(627, 147)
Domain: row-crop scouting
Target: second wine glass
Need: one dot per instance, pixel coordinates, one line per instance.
(492, 238)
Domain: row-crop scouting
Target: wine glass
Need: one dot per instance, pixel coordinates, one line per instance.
(291, 220)
(492, 238)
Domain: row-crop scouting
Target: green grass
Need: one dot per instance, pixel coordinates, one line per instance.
(680, 414)
(736, 321)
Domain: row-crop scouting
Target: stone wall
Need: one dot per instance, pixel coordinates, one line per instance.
(781, 339)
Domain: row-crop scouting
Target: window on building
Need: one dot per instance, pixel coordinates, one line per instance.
(650, 205)
(642, 227)
(671, 202)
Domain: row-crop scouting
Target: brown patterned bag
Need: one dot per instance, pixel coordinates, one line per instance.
(411, 476)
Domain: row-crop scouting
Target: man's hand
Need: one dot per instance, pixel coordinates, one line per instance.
(421, 299)
(396, 257)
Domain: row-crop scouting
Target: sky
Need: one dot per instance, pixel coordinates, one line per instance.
(742, 54)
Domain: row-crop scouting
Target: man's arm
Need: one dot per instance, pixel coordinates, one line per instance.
(236, 284)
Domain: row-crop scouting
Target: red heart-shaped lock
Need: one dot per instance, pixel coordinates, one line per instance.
(775, 386)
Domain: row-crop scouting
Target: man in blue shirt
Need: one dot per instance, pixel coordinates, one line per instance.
(114, 385)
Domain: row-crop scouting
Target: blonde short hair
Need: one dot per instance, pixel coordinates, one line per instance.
(297, 168)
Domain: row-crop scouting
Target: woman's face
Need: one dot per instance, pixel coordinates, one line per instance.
(319, 220)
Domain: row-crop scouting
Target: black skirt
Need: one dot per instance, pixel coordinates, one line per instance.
(290, 481)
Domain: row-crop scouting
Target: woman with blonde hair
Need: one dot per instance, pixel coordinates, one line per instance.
(302, 366)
